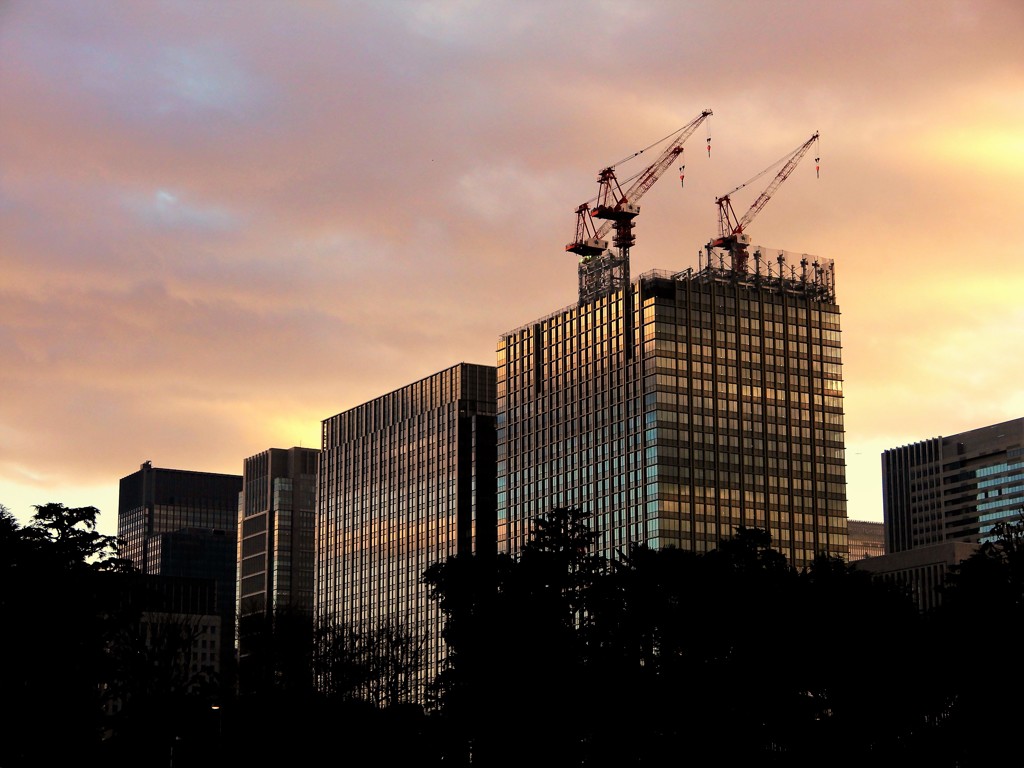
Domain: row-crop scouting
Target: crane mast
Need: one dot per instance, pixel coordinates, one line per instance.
(601, 271)
(731, 230)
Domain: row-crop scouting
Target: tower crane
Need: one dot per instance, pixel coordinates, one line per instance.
(732, 230)
(617, 206)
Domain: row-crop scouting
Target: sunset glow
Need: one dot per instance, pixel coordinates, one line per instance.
(218, 228)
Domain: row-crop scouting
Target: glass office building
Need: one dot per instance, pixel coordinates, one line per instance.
(405, 481)
(678, 409)
(276, 523)
(275, 531)
(954, 488)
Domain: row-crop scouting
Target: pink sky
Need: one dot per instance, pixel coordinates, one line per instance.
(221, 223)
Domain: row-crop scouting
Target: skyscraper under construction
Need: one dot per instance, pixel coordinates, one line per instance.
(679, 407)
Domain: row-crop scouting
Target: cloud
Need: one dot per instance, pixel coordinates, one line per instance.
(164, 210)
(218, 225)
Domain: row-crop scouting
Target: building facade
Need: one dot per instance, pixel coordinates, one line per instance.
(922, 571)
(179, 524)
(866, 539)
(276, 550)
(678, 409)
(277, 518)
(181, 619)
(154, 501)
(200, 554)
(405, 481)
(954, 488)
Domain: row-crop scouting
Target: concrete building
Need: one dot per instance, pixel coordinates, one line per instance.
(921, 571)
(174, 645)
(181, 618)
(866, 539)
(954, 488)
(405, 481)
(276, 550)
(680, 407)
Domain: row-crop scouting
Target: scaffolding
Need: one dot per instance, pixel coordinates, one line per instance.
(602, 275)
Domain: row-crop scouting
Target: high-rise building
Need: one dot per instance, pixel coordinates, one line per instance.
(276, 531)
(405, 481)
(180, 524)
(153, 501)
(679, 408)
(954, 488)
(276, 550)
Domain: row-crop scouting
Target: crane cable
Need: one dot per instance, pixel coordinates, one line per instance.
(659, 141)
(774, 165)
(638, 174)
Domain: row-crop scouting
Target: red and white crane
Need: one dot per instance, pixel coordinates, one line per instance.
(732, 229)
(617, 206)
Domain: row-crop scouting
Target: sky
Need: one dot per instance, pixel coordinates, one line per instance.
(224, 222)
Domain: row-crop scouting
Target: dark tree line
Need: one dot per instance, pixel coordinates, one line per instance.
(728, 657)
(667, 655)
(557, 655)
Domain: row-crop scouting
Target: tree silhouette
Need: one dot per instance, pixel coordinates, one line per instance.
(59, 598)
(665, 655)
(276, 651)
(379, 665)
(979, 623)
(70, 537)
(513, 630)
